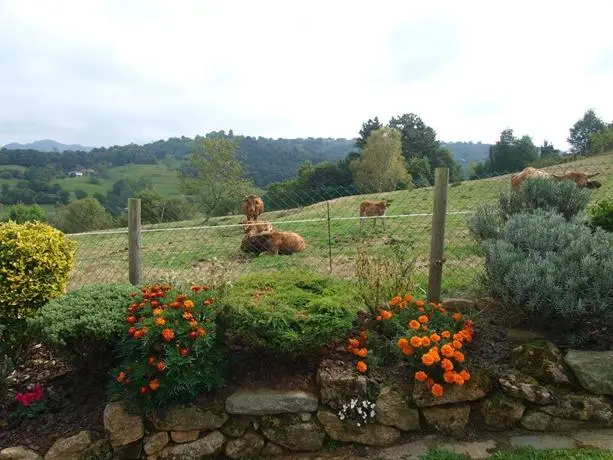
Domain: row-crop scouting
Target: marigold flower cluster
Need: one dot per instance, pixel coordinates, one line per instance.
(357, 347)
(437, 353)
(164, 326)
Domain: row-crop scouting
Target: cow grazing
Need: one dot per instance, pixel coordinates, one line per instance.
(273, 243)
(370, 208)
(253, 206)
(581, 179)
(252, 227)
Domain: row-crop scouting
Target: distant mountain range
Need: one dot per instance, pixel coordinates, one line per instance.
(47, 145)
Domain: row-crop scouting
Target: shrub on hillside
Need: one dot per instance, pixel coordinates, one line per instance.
(562, 197)
(85, 323)
(559, 269)
(83, 216)
(22, 213)
(601, 215)
(288, 313)
(169, 351)
(156, 209)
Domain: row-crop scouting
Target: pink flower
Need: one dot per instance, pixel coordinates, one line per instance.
(30, 396)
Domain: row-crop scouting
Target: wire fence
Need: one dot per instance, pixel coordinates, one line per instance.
(329, 221)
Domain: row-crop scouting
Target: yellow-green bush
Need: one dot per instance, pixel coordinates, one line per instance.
(35, 262)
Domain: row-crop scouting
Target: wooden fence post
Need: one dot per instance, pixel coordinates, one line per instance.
(134, 241)
(437, 245)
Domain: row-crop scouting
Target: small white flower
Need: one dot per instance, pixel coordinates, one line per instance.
(372, 414)
(359, 424)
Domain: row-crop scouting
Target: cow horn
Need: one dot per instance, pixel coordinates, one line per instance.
(589, 176)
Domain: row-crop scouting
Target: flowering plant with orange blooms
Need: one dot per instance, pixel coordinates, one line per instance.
(432, 340)
(357, 346)
(170, 352)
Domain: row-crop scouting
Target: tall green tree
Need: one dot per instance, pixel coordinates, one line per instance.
(83, 216)
(418, 139)
(511, 154)
(602, 141)
(581, 131)
(367, 128)
(381, 166)
(548, 150)
(214, 179)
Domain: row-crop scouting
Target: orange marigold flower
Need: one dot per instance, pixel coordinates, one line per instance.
(449, 376)
(416, 341)
(403, 305)
(408, 298)
(458, 380)
(395, 300)
(407, 351)
(354, 343)
(151, 360)
(157, 311)
(459, 356)
(427, 359)
(160, 321)
(143, 390)
(161, 366)
(188, 304)
(121, 377)
(435, 337)
(378, 318)
(465, 375)
(457, 316)
(446, 334)
(437, 390)
(184, 352)
(385, 314)
(187, 315)
(459, 337)
(131, 331)
(196, 288)
(201, 331)
(168, 334)
(421, 376)
(402, 342)
(361, 366)
(362, 352)
(423, 319)
(414, 324)
(425, 341)
(175, 304)
(447, 350)
(154, 384)
(131, 319)
(193, 335)
(421, 309)
(193, 323)
(419, 303)
(456, 344)
(447, 365)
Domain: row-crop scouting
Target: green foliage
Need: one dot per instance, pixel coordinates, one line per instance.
(80, 194)
(526, 453)
(601, 215)
(22, 213)
(486, 222)
(511, 153)
(367, 128)
(35, 262)
(156, 209)
(381, 166)
(170, 353)
(382, 275)
(601, 141)
(83, 216)
(582, 130)
(563, 197)
(214, 178)
(86, 323)
(558, 269)
(288, 313)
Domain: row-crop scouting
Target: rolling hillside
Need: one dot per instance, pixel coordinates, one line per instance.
(197, 250)
(47, 145)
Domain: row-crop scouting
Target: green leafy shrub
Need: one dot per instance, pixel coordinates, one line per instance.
(22, 213)
(169, 352)
(35, 262)
(290, 312)
(560, 270)
(563, 197)
(83, 216)
(601, 215)
(85, 323)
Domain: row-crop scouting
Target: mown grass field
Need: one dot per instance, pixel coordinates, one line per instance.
(196, 250)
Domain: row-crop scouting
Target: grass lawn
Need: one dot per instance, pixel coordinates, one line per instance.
(529, 454)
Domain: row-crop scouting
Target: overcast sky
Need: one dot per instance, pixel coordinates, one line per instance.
(113, 72)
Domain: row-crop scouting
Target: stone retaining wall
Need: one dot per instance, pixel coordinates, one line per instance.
(546, 392)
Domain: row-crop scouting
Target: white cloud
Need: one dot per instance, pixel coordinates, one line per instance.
(105, 72)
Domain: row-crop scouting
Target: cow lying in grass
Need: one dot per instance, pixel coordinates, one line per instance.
(581, 179)
(370, 208)
(273, 243)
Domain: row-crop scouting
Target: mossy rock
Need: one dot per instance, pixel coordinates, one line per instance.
(542, 360)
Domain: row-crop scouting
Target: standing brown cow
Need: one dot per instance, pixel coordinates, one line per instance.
(253, 206)
(370, 208)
